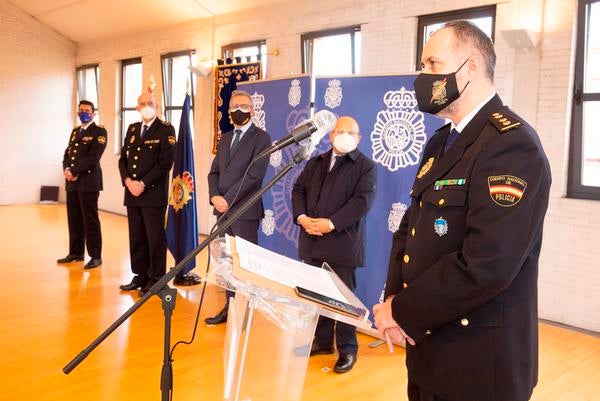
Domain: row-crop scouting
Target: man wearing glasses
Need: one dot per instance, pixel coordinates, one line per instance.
(235, 152)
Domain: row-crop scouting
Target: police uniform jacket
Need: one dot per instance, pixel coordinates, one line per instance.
(464, 262)
(344, 195)
(228, 168)
(82, 157)
(149, 160)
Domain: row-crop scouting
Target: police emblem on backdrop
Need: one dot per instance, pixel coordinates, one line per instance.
(268, 223)
(295, 93)
(182, 188)
(333, 94)
(259, 114)
(438, 93)
(440, 226)
(280, 193)
(506, 190)
(395, 216)
(398, 135)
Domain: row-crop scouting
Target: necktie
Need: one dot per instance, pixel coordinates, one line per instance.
(450, 139)
(144, 131)
(236, 139)
(335, 161)
(80, 134)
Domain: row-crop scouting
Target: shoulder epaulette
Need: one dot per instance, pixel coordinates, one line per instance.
(101, 126)
(504, 121)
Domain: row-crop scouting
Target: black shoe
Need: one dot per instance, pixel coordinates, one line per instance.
(94, 262)
(187, 279)
(219, 318)
(70, 258)
(136, 283)
(345, 363)
(316, 349)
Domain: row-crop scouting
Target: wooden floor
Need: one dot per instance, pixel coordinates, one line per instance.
(50, 312)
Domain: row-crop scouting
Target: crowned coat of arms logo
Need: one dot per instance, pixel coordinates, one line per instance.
(295, 93)
(398, 135)
(395, 216)
(334, 94)
(268, 223)
(259, 114)
(182, 188)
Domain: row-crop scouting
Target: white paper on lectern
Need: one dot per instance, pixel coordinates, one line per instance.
(286, 271)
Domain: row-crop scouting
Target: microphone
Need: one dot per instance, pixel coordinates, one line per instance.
(312, 130)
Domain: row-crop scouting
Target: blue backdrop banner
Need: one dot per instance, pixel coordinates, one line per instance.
(280, 105)
(394, 133)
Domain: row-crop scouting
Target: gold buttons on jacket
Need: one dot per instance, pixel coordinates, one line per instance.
(406, 258)
(410, 193)
(73, 158)
(76, 144)
(428, 332)
(138, 148)
(135, 158)
(134, 175)
(134, 166)
(420, 203)
(464, 322)
(404, 285)
(441, 201)
(413, 232)
(75, 151)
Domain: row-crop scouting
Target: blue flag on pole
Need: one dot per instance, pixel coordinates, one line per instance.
(182, 219)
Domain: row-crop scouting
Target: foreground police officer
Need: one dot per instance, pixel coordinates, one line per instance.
(462, 282)
(146, 158)
(83, 183)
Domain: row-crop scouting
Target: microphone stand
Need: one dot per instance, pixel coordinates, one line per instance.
(168, 294)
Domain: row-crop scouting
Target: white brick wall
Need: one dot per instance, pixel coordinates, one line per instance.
(570, 271)
(36, 98)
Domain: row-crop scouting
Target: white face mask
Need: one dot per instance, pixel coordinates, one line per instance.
(344, 143)
(148, 113)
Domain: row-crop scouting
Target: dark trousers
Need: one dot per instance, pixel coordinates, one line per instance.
(248, 230)
(416, 393)
(147, 242)
(345, 334)
(84, 224)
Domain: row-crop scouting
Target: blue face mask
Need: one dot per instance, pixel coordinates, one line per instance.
(85, 117)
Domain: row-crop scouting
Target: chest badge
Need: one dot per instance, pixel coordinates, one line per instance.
(426, 167)
(440, 226)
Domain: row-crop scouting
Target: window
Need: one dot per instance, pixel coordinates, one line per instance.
(252, 51)
(331, 52)
(483, 17)
(131, 89)
(87, 84)
(584, 161)
(177, 77)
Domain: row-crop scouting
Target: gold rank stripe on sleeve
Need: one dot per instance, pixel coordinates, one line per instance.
(504, 123)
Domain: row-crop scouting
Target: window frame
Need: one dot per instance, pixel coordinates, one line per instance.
(81, 95)
(575, 188)
(122, 107)
(463, 14)
(306, 44)
(168, 108)
(227, 50)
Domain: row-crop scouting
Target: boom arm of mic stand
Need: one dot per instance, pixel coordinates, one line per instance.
(179, 267)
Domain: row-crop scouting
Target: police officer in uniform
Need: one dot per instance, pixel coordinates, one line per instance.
(146, 158)
(461, 288)
(83, 183)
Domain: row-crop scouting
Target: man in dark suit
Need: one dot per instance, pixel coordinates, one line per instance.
(330, 200)
(146, 158)
(227, 192)
(83, 183)
(462, 282)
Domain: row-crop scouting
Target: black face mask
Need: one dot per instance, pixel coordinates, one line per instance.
(239, 117)
(436, 91)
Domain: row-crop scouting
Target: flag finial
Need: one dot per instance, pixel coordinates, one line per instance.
(151, 84)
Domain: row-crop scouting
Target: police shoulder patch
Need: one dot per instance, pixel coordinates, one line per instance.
(172, 140)
(101, 140)
(504, 120)
(506, 190)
